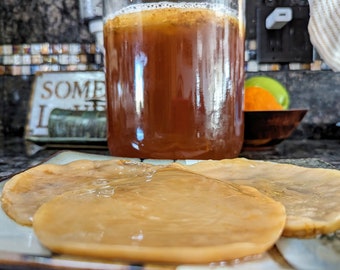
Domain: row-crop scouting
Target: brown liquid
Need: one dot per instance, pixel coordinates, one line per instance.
(174, 84)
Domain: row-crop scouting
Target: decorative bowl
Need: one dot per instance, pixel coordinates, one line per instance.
(265, 129)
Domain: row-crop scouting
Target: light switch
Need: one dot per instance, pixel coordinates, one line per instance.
(279, 18)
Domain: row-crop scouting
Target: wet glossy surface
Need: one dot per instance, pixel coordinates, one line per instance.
(272, 260)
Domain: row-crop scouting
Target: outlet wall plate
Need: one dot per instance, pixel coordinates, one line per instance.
(289, 44)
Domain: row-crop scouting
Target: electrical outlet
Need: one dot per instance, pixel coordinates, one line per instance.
(288, 44)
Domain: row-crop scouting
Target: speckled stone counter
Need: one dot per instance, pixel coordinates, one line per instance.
(42, 21)
(324, 153)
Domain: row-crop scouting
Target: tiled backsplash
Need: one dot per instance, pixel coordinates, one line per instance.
(27, 59)
(252, 64)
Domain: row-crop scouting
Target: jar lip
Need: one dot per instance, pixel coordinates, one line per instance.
(231, 9)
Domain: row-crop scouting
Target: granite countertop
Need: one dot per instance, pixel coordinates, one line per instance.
(14, 155)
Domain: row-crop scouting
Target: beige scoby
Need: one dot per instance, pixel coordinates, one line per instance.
(24, 193)
(311, 195)
(171, 216)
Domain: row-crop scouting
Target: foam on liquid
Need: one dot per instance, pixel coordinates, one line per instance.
(166, 5)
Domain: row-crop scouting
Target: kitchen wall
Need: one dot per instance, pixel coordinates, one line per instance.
(38, 35)
(42, 35)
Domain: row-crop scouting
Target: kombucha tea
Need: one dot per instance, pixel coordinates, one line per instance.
(174, 80)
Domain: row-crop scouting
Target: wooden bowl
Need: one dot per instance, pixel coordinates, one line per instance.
(265, 129)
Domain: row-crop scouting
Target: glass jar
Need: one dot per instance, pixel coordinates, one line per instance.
(174, 78)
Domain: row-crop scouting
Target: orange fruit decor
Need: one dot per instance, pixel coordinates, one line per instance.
(259, 99)
(273, 86)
